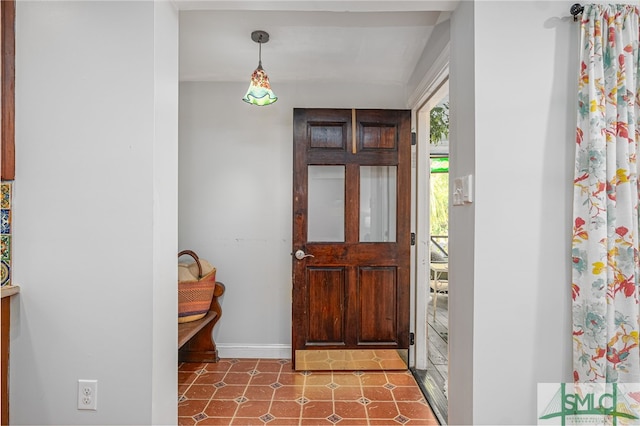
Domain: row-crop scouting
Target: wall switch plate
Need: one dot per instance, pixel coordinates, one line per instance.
(88, 395)
(467, 189)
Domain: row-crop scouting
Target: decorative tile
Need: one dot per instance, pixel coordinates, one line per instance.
(5, 221)
(5, 248)
(358, 373)
(283, 361)
(275, 385)
(401, 419)
(333, 385)
(200, 416)
(201, 372)
(5, 274)
(241, 399)
(390, 386)
(302, 400)
(266, 418)
(220, 385)
(253, 372)
(182, 398)
(5, 195)
(364, 401)
(334, 418)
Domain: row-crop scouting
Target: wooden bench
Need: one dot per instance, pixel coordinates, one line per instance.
(195, 338)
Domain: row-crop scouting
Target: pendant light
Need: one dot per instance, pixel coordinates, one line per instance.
(260, 92)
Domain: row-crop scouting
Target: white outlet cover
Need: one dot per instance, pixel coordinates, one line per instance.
(88, 395)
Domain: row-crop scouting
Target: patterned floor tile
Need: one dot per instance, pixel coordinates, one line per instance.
(267, 392)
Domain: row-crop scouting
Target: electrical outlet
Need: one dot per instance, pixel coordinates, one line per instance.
(87, 395)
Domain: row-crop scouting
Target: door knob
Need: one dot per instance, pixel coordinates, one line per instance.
(301, 255)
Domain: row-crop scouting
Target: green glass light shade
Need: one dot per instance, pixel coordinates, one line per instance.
(260, 92)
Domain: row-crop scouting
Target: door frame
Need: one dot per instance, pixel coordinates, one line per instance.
(432, 89)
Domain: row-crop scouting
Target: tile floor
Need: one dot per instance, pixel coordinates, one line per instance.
(268, 392)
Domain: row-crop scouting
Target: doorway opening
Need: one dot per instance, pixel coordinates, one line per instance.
(432, 281)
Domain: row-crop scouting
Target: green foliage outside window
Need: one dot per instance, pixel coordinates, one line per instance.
(439, 205)
(439, 123)
(439, 131)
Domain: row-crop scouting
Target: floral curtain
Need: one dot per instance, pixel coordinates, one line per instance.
(605, 274)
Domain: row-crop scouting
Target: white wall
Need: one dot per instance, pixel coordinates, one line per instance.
(95, 212)
(235, 199)
(462, 227)
(520, 76)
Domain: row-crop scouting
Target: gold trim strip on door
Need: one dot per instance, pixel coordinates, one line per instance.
(353, 131)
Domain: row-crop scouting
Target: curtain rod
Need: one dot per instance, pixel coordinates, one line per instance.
(576, 10)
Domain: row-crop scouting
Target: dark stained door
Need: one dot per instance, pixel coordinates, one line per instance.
(351, 239)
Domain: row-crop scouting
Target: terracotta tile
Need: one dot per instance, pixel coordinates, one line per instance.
(290, 393)
(237, 378)
(379, 422)
(216, 421)
(377, 393)
(318, 393)
(191, 366)
(415, 410)
(316, 422)
(346, 379)
(218, 366)
(407, 393)
(243, 366)
(191, 407)
(347, 393)
(247, 421)
(219, 408)
(253, 408)
(273, 407)
(420, 422)
(186, 421)
(319, 379)
(373, 379)
(291, 379)
(229, 392)
(382, 410)
(186, 378)
(259, 393)
(265, 365)
(283, 422)
(285, 409)
(350, 410)
(317, 409)
(354, 422)
(209, 378)
(401, 379)
(200, 392)
(264, 378)
(395, 364)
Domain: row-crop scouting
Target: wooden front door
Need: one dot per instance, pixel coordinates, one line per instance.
(351, 239)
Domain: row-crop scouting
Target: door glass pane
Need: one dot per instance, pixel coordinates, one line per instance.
(378, 203)
(326, 204)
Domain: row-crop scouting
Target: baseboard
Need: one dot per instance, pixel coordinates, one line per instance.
(254, 351)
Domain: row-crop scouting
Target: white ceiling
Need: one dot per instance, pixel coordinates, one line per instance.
(309, 40)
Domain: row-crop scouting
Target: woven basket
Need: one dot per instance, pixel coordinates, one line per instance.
(196, 283)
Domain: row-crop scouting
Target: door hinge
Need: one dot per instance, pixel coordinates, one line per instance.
(412, 339)
(413, 238)
(413, 138)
